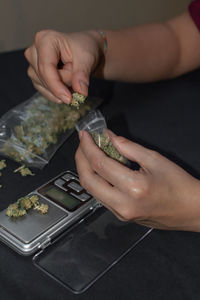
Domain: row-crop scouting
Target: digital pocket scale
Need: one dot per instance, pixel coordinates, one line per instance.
(77, 240)
(68, 202)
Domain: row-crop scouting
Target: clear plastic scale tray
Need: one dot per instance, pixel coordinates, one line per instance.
(82, 255)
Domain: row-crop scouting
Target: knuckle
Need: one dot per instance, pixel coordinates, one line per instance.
(97, 163)
(40, 34)
(143, 191)
(43, 34)
(139, 190)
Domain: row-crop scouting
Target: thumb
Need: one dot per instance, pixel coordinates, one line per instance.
(131, 150)
(81, 74)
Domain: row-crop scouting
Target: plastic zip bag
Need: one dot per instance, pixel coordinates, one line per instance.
(32, 131)
(95, 124)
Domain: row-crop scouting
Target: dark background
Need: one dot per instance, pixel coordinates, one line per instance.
(163, 116)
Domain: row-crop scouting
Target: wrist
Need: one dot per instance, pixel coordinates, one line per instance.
(101, 40)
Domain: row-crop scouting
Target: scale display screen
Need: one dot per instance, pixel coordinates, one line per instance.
(61, 197)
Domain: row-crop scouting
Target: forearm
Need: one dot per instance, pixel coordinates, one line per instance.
(143, 53)
(152, 52)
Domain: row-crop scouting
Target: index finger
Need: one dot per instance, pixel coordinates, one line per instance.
(112, 171)
(101, 190)
(48, 59)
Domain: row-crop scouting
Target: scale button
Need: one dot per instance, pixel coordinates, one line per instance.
(82, 197)
(75, 186)
(68, 176)
(59, 182)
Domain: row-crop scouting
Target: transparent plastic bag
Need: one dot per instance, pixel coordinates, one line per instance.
(31, 132)
(95, 124)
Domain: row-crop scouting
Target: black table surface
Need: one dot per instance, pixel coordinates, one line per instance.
(164, 116)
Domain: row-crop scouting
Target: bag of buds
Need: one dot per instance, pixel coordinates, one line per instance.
(32, 132)
(95, 124)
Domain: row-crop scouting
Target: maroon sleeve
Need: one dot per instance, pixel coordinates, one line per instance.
(194, 10)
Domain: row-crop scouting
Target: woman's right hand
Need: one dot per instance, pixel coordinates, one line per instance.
(59, 61)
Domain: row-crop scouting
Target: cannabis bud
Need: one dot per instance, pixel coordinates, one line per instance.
(43, 208)
(34, 199)
(23, 204)
(13, 210)
(24, 171)
(102, 140)
(77, 99)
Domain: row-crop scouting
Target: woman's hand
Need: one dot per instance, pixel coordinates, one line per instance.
(58, 61)
(160, 195)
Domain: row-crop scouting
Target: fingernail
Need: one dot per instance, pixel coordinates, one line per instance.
(65, 99)
(84, 87)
